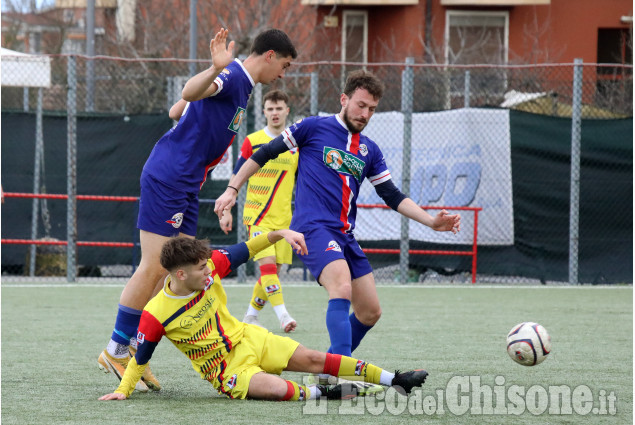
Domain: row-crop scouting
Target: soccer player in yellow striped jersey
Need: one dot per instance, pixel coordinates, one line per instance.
(268, 207)
(240, 360)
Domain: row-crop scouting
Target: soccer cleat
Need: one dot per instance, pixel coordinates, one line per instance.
(338, 392)
(108, 364)
(406, 381)
(148, 377)
(252, 320)
(287, 324)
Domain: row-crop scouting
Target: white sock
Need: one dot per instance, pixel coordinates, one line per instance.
(280, 310)
(251, 311)
(315, 392)
(117, 350)
(386, 378)
(133, 342)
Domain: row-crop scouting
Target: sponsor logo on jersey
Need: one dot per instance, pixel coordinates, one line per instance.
(359, 367)
(237, 120)
(260, 301)
(226, 71)
(343, 162)
(272, 288)
(333, 246)
(363, 149)
(188, 321)
(232, 382)
(209, 283)
(141, 337)
(176, 220)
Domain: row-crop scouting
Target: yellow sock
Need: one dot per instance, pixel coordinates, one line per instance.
(271, 284)
(296, 392)
(258, 297)
(351, 369)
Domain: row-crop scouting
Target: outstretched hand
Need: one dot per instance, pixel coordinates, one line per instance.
(225, 202)
(296, 240)
(222, 54)
(113, 396)
(226, 221)
(444, 222)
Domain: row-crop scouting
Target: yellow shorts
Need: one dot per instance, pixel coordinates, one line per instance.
(281, 249)
(258, 351)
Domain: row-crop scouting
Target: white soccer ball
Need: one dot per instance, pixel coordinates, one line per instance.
(528, 344)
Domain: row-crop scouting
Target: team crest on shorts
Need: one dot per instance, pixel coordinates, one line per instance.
(140, 337)
(334, 246)
(176, 221)
(232, 382)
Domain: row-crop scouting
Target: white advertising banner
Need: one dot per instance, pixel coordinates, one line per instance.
(459, 158)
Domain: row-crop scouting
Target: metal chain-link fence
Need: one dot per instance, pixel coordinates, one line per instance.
(496, 138)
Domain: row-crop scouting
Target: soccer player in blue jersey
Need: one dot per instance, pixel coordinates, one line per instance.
(180, 163)
(334, 160)
(240, 360)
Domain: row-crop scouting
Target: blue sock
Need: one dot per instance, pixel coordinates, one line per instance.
(126, 325)
(358, 330)
(339, 326)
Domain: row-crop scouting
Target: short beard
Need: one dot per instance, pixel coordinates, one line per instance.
(351, 127)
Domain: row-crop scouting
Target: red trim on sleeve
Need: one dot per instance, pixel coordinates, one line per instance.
(221, 263)
(150, 327)
(246, 150)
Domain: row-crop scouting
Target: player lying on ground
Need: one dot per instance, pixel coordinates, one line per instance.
(239, 359)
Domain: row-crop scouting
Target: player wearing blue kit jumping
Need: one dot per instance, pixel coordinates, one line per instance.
(334, 160)
(179, 165)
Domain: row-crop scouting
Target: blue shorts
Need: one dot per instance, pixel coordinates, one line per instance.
(327, 245)
(166, 211)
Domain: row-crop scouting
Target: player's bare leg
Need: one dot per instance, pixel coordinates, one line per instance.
(268, 288)
(366, 309)
(134, 297)
(336, 279)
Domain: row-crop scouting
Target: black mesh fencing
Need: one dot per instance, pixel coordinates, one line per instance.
(498, 138)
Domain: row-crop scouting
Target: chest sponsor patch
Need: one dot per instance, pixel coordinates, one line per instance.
(343, 162)
(237, 120)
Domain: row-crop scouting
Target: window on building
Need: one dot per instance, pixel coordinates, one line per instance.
(476, 37)
(355, 36)
(615, 45)
(354, 40)
(473, 38)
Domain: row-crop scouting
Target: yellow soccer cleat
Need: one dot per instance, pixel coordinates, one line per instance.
(148, 377)
(108, 364)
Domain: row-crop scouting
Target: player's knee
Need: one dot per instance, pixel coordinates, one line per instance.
(369, 316)
(340, 290)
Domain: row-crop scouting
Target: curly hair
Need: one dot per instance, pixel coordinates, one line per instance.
(182, 251)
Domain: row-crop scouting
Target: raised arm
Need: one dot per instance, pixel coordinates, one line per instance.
(202, 84)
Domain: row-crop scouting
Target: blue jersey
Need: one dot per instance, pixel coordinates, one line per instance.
(188, 152)
(333, 163)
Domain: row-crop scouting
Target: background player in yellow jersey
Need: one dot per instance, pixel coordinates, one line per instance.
(268, 207)
(240, 360)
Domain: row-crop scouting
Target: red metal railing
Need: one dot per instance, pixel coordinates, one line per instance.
(472, 253)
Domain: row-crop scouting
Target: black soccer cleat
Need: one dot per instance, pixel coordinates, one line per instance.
(406, 381)
(343, 391)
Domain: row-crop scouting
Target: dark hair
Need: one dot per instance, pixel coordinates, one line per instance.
(275, 96)
(182, 251)
(362, 79)
(275, 40)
